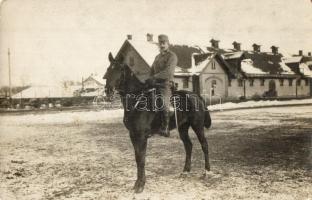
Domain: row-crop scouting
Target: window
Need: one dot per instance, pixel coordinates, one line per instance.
(281, 82)
(213, 65)
(262, 82)
(240, 82)
(176, 86)
(185, 82)
(230, 82)
(131, 61)
(299, 82)
(290, 82)
(251, 82)
(306, 82)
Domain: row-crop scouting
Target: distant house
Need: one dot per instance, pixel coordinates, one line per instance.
(45, 91)
(226, 73)
(92, 86)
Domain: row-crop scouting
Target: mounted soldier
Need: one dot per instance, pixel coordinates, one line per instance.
(162, 72)
(142, 123)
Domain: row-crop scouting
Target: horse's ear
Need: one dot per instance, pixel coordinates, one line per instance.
(110, 57)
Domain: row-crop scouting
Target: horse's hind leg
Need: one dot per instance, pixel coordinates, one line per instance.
(183, 132)
(199, 130)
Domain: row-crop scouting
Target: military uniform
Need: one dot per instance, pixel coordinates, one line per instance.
(164, 65)
(162, 72)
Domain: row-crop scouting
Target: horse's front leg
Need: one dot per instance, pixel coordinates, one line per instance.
(139, 141)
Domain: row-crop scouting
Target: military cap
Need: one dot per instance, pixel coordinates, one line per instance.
(163, 38)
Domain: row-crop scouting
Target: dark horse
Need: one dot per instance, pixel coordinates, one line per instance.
(141, 122)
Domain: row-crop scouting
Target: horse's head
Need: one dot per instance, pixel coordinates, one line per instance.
(113, 75)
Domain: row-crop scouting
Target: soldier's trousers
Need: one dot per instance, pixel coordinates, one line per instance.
(165, 94)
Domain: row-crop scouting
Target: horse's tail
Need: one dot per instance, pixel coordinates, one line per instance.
(207, 121)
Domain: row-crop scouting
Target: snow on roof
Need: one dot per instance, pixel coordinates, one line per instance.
(305, 70)
(248, 67)
(195, 69)
(293, 59)
(233, 55)
(46, 92)
(97, 77)
(178, 71)
(148, 50)
(203, 49)
(286, 69)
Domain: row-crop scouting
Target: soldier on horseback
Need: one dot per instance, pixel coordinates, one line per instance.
(162, 72)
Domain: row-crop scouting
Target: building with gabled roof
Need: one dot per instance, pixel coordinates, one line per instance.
(214, 72)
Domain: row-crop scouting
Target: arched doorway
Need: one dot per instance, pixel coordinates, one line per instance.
(216, 83)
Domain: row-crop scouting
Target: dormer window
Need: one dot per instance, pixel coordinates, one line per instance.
(213, 65)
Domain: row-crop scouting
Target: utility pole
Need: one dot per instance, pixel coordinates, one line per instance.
(10, 83)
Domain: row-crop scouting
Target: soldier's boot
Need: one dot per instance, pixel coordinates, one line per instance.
(165, 119)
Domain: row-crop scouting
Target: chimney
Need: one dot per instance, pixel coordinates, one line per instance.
(214, 43)
(309, 54)
(274, 49)
(129, 37)
(149, 37)
(237, 46)
(256, 47)
(300, 52)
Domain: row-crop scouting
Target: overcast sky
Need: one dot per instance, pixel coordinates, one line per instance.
(53, 40)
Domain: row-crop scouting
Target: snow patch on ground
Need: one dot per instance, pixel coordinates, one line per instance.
(262, 103)
(107, 116)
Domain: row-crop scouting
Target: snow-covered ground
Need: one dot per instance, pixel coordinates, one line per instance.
(254, 154)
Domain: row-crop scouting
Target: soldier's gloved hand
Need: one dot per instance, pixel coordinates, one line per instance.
(150, 82)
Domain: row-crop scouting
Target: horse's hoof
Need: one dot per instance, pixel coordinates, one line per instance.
(207, 174)
(138, 189)
(185, 174)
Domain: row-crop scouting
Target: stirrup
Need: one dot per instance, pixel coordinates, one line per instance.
(165, 133)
